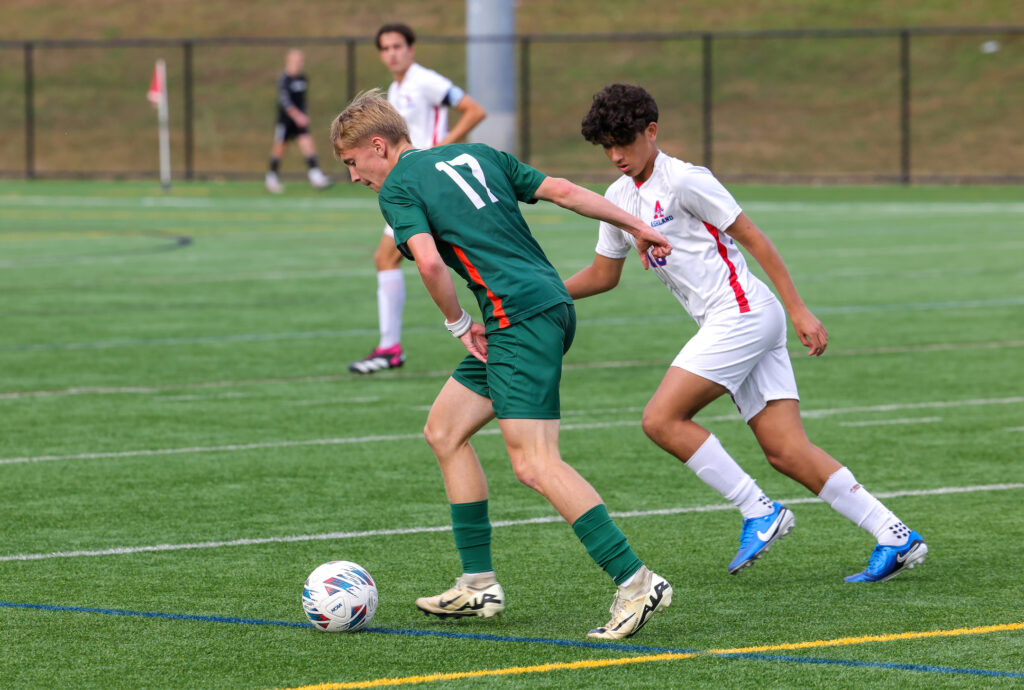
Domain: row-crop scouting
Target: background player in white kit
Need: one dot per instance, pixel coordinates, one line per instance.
(423, 97)
(740, 347)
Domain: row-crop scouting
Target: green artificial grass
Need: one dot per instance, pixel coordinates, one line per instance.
(191, 396)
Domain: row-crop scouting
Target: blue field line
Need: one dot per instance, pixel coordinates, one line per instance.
(607, 646)
(922, 668)
(155, 614)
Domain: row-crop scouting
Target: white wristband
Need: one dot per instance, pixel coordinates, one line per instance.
(458, 328)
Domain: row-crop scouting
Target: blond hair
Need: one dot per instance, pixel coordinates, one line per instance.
(369, 114)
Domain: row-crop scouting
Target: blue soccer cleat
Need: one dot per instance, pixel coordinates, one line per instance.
(759, 534)
(886, 562)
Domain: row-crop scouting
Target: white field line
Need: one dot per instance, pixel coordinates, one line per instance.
(361, 332)
(156, 202)
(887, 422)
(873, 208)
(330, 536)
(844, 208)
(330, 378)
(332, 401)
(490, 431)
(1014, 428)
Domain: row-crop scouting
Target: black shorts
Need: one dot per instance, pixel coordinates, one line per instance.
(286, 130)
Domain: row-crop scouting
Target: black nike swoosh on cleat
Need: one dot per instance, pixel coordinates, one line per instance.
(626, 620)
(901, 558)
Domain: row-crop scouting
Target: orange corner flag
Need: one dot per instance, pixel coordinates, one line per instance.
(156, 85)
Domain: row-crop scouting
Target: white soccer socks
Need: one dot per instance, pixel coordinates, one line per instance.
(716, 468)
(855, 503)
(390, 303)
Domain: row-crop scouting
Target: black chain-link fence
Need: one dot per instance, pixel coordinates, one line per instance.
(856, 105)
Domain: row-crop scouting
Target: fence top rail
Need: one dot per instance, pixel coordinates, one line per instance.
(545, 37)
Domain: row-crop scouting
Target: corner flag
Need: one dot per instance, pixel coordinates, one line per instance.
(157, 95)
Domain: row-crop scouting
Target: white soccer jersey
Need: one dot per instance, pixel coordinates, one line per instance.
(422, 99)
(705, 271)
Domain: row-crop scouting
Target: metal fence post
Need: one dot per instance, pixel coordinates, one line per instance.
(524, 99)
(350, 64)
(189, 140)
(30, 113)
(905, 106)
(706, 103)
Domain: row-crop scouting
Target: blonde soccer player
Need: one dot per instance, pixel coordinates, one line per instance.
(457, 207)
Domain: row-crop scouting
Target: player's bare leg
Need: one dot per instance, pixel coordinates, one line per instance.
(272, 181)
(668, 417)
(533, 448)
(317, 178)
(390, 302)
(780, 432)
(668, 421)
(457, 414)
(386, 256)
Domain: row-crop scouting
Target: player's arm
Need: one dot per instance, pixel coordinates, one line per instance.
(600, 276)
(439, 284)
(471, 114)
(284, 97)
(808, 328)
(298, 117)
(592, 205)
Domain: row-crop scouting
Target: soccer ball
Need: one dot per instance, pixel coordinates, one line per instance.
(339, 596)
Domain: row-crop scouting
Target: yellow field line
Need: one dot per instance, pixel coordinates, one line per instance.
(599, 663)
(511, 670)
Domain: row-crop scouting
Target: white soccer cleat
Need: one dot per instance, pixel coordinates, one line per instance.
(318, 179)
(478, 594)
(648, 594)
(273, 184)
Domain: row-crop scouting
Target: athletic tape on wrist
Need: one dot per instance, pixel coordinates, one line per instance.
(458, 328)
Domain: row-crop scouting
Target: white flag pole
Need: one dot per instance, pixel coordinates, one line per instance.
(165, 134)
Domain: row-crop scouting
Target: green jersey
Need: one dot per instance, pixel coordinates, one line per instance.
(467, 196)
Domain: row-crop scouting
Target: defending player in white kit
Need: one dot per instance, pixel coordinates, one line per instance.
(422, 97)
(740, 347)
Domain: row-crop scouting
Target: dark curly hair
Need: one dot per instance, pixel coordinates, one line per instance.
(408, 34)
(619, 112)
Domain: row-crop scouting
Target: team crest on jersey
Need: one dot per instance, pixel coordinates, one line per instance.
(659, 215)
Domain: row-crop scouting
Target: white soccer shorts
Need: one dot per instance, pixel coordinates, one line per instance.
(389, 231)
(746, 353)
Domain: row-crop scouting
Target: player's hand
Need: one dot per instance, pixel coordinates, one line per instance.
(300, 119)
(658, 244)
(475, 341)
(810, 331)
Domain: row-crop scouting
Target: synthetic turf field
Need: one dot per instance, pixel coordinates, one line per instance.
(181, 439)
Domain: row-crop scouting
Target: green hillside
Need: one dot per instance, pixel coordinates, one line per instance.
(823, 107)
(122, 18)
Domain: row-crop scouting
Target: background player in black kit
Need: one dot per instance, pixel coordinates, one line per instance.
(293, 123)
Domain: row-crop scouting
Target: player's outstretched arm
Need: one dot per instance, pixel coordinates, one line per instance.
(471, 114)
(592, 205)
(438, 282)
(600, 276)
(807, 326)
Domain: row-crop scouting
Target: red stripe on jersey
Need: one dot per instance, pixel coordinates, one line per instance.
(499, 311)
(734, 282)
(437, 122)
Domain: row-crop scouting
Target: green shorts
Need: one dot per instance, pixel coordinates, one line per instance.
(524, 365)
